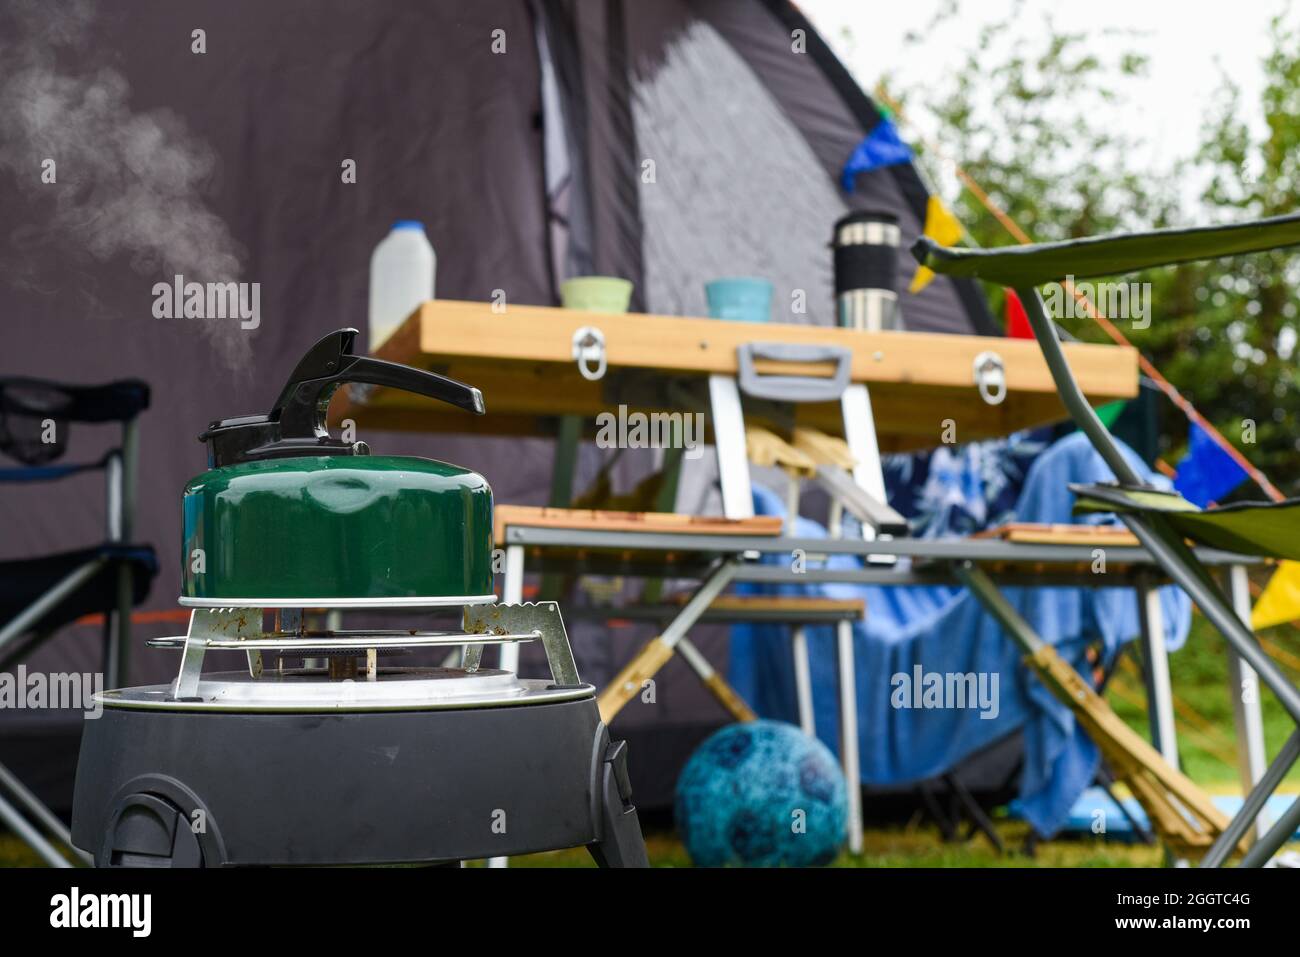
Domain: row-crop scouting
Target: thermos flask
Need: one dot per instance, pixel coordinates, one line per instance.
(866, 266)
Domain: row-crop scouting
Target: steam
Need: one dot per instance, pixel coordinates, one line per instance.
(129, 183)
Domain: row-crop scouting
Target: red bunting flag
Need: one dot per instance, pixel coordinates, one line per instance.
(1017, 318)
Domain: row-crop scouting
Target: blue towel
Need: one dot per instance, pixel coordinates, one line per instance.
(944, 630)
(1084, 814)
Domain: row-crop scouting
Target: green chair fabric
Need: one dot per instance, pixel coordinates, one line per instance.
(1270, 529)
(1033, 265)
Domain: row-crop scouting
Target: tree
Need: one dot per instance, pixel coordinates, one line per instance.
(1025, 113)
(1234, 353)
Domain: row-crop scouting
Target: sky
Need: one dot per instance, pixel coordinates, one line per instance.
(1191, 45)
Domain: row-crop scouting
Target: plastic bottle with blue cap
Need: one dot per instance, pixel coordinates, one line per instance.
(402, 270)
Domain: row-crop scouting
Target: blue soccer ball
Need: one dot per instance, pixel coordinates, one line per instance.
(761, 794)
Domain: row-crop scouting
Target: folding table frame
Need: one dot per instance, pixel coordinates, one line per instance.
(718, 560)
(623, 686)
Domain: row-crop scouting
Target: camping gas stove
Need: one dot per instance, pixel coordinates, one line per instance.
(327, 748)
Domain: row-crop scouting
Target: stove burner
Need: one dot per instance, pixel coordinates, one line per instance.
(393, 689)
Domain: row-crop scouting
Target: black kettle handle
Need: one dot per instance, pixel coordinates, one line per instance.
(301, 407)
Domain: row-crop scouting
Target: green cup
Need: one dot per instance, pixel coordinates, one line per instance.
(596, 293)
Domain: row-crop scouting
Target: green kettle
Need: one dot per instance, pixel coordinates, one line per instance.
(288, 516)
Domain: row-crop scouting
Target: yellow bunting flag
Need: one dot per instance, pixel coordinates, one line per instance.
(943, 228)
(1280, 601)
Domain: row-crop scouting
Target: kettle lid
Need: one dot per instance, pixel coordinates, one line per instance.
(296, 423)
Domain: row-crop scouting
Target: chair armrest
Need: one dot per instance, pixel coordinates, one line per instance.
(118, 401)
(1033, 265)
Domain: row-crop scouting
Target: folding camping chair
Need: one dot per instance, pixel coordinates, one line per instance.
(40, 595)
(1162, 521)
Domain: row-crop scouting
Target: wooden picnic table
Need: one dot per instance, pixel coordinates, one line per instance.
(522, 361)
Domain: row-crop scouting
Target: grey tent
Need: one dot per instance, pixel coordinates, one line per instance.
(669, 143)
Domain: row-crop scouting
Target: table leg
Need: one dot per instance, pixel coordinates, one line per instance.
(803, 681)
(835, 520)
(1160, 697)
(1243, 686)
(729, 440)
(860, 433)
(568, 437)
(849, 755)
(727, 696)
(625, 685)
(512, 592)
(665, 501)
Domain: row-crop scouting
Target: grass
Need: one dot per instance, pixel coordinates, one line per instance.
(1207, 742)
(1199, 675)
(1206, 752)
(914, 846)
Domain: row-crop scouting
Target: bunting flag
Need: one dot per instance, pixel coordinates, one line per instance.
(941, 226)
(1017, 319)
(1207, 472)
(1280, 601)
(1110, 413)
(882, 147)
(1018, 328)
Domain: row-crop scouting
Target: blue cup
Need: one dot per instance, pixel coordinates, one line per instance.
(745, 299)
